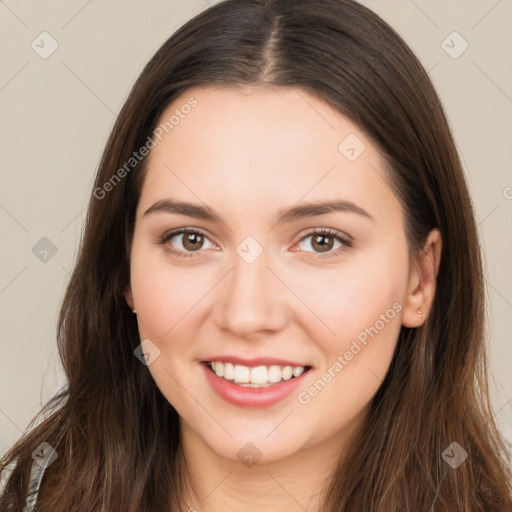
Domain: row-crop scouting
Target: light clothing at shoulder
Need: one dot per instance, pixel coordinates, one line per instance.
(36, 477)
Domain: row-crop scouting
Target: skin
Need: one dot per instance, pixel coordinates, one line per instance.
(248, 153)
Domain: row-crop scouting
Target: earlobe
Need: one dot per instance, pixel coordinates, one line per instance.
(128, 295)
(422, 282)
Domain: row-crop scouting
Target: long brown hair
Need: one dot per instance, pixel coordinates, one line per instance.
(117, 437)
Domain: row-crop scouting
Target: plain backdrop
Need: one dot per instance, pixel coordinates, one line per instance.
(66, 69)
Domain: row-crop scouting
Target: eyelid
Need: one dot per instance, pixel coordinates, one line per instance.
(345, 240)
(328, 232)
(163, 239)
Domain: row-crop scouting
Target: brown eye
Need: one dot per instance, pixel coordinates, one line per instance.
(185, 242)
(323, 243)
(192, 241)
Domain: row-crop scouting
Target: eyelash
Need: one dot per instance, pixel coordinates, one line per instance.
(327, 232)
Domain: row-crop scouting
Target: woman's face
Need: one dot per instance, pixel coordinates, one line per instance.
(255, 287)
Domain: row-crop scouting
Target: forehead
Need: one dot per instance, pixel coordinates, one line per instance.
(246, 147)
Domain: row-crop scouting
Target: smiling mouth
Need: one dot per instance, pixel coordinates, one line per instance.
(257, 376)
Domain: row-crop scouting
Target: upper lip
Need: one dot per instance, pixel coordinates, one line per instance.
(256, 361)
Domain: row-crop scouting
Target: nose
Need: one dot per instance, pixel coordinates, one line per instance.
(252, 300)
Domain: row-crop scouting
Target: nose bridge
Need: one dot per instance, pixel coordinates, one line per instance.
(253, 299)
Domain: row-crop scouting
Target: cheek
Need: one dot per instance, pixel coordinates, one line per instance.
(167, 296)
(355, 360)
(168, 299)
(362, 295)
(363, 307)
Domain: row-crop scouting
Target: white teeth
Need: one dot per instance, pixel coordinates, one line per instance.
(258, 376)
(242, 373)
(219, 369)
(229, 371)
(274, 374)
(287, 373)
(297, 372)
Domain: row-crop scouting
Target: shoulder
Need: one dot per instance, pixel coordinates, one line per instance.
(5, 472)
(36, 476)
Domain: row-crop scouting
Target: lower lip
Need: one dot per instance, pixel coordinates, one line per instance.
(252, 397)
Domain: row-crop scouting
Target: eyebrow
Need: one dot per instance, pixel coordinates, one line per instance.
(300, 211)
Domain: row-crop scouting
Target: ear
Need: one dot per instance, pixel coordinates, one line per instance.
(128, 295)
(422, 281)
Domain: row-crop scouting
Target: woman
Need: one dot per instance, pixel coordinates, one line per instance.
(216, 357)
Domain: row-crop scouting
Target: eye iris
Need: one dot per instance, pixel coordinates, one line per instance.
(320, 239)
(193, 238)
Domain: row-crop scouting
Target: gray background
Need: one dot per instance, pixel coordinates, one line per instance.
(57, 110)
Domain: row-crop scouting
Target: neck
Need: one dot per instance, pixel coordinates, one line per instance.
(216, 484)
